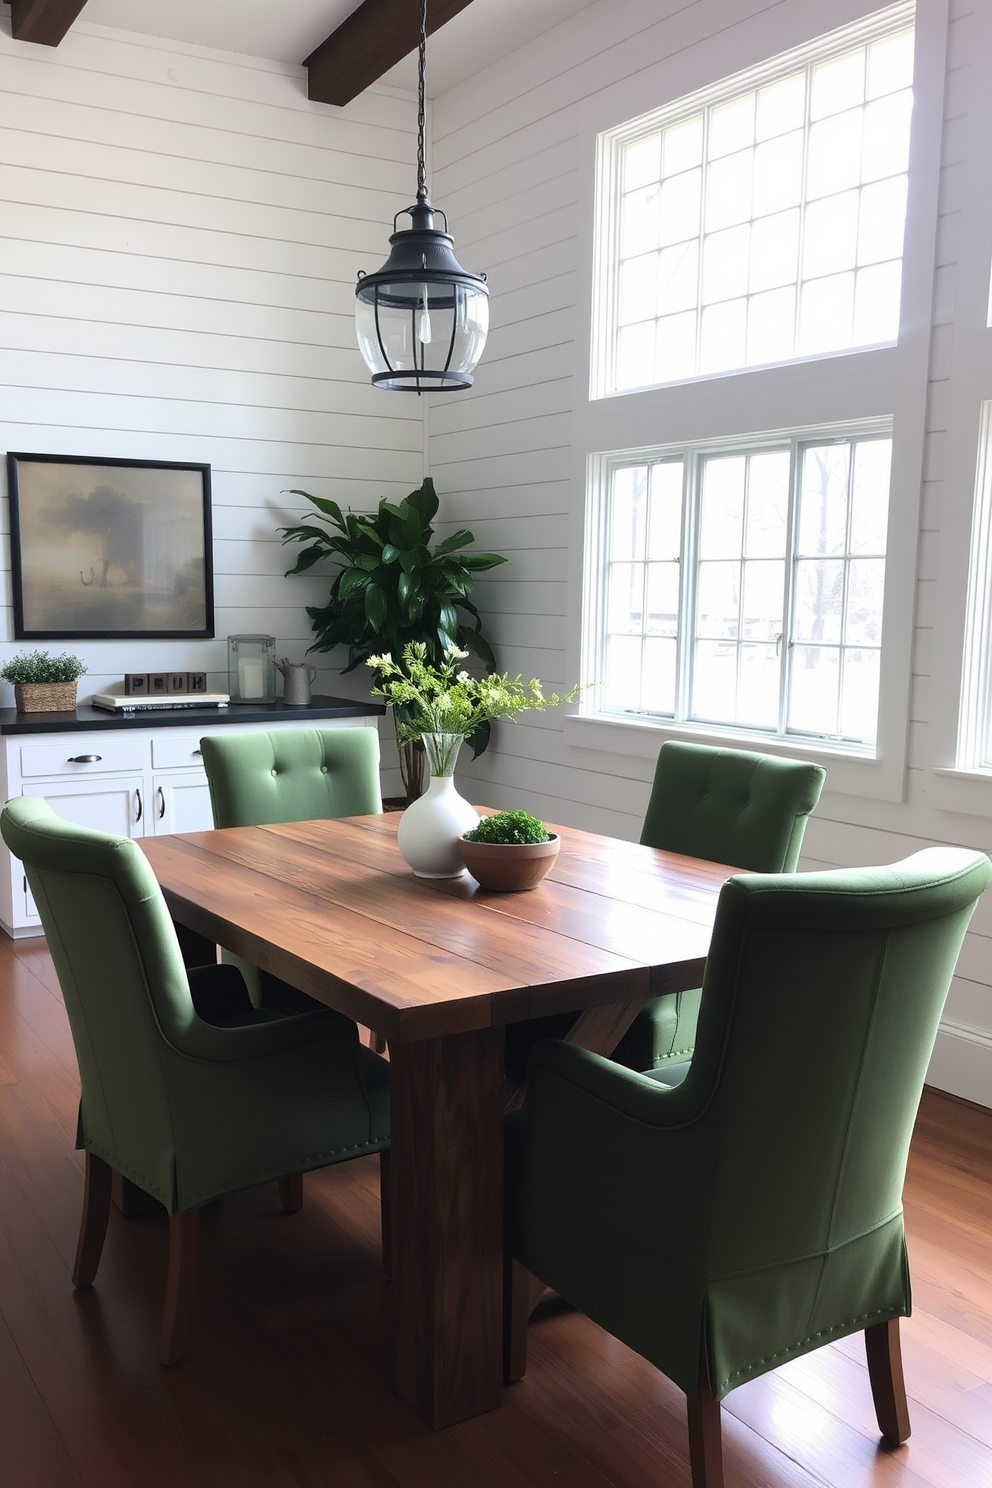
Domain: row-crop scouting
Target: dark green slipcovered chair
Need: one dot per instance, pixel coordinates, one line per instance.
(287, 775)
(186, 1089)
(753, 1212)
(729, 806)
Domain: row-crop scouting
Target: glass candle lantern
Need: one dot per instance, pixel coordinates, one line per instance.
(251, 668)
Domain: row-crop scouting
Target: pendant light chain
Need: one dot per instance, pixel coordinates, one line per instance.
(421, 320)
(421, 112)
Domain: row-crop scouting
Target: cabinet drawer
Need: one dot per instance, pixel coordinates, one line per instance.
(82, 754)
(177, 749)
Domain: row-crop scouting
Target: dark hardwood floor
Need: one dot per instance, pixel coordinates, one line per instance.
(285, 1386)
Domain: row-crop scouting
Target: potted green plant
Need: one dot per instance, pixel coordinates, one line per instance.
(391, 588)
(510, 850)
(44, 683)
(445, 705)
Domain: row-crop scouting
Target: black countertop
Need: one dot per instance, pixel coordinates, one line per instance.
(93, 719)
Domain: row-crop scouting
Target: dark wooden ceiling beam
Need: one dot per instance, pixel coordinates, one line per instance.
(42, 21)
(373, 39)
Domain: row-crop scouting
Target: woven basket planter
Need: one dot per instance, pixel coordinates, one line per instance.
(45, 697)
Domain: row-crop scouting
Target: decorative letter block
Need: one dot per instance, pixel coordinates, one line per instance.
(177, 682)
(135, 684)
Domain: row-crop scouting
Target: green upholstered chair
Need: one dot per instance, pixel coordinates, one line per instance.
(287, 775)
(186, 1089)
(754, 1212)
(729, 806)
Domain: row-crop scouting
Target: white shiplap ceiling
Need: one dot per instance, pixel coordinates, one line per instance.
(288, 30)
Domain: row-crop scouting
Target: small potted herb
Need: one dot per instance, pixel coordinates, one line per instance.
(510, 850)
(43, 683)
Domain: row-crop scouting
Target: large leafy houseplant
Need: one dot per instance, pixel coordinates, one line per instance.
(393, 587)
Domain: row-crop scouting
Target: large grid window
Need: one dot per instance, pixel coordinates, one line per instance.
(743, 587)
(762, 221)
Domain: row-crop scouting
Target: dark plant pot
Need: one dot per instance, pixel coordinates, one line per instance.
(509, 866)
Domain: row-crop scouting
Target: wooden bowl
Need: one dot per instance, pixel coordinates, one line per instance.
(509, 866)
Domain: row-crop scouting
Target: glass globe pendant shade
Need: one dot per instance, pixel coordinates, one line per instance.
(421, 320)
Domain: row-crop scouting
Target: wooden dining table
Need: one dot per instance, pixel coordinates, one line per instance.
(439, 967)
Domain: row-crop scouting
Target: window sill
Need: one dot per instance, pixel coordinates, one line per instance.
(849, 773)
(968, 792)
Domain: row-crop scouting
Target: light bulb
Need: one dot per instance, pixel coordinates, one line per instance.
(424, 320)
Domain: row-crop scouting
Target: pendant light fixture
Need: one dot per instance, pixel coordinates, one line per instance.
(422, 321)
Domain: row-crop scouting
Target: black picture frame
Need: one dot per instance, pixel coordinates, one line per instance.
(110, 549)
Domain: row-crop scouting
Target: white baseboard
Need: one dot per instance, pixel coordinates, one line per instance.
(961, 1063)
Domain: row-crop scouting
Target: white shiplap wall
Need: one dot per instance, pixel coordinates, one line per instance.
(513, 169)
(180, 231)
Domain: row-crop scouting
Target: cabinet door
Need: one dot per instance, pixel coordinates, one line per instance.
(179, 803)
(107, 805)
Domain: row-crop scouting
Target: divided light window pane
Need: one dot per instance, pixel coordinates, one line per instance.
(744, 587)
(767, 225)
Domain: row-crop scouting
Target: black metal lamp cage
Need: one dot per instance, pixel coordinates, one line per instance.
(422, 320)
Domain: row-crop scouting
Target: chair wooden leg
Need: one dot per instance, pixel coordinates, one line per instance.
(518, 1304)
(184, 1236)
(129, 1198)
(377, 1042)
(705, 1434)
(93, 1223)
(888, 1387)
(386, 1209)
(291, 1193)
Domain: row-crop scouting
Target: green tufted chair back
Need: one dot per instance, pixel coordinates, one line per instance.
(731, 806)
(290, 775)
(287, 775)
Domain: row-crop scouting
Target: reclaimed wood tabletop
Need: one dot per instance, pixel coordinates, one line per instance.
(439, 967)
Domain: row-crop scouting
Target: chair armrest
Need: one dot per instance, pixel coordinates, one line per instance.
(206, 1041)
(220, 994)
(631, 1095)
(599, 1146)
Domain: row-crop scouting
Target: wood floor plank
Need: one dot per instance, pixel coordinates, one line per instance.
(286, 1381)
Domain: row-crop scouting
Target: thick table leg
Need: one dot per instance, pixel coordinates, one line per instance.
(447, 1240)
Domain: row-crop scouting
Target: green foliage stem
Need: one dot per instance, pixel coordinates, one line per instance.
(441, 698)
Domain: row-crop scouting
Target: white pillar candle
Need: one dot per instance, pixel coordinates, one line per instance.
(251, 676)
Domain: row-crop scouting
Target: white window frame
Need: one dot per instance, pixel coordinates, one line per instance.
(843, 388)
(974, 751)
(601, 469)
(609, 162)
(960, 643)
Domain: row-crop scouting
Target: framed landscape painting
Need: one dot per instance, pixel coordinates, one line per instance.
(109, 548)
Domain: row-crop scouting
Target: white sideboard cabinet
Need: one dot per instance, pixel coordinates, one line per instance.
(137, 776)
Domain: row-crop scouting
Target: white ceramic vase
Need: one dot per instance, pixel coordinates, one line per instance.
(430, 827)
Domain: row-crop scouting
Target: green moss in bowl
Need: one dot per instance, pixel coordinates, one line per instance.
(509, 827)
(509, 851)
